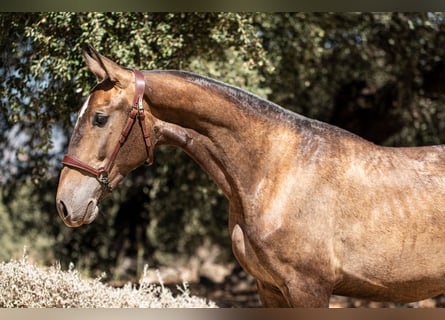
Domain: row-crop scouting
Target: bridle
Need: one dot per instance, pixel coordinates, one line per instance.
(137, 110)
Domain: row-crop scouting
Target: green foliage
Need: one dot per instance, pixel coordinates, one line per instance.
(380, 75)
(393, 61)
(41, 56)
(46, 49)
(23, 225)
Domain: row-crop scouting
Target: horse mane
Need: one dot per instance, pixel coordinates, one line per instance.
(258, 106)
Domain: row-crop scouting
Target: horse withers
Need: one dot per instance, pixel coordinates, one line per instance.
(314, 210)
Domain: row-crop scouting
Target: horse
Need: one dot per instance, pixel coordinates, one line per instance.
(314, 210)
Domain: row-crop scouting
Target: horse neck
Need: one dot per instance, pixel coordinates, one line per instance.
(223, 138)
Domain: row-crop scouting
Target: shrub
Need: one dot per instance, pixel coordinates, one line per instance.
(23, 284)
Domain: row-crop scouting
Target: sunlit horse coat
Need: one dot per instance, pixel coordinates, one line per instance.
(314, 210)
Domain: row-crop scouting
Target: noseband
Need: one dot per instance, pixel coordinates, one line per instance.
(137, 110)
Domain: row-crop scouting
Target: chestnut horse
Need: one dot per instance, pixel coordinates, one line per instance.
(314, 210)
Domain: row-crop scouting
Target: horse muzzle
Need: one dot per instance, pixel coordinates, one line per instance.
(76, 218)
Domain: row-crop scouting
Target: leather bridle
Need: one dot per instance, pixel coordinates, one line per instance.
(137, 110)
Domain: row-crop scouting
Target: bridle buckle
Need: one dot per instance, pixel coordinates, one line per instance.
(102, 177)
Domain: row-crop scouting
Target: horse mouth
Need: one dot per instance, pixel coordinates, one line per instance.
(74, 220)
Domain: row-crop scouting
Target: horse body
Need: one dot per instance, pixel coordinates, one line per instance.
(393, 241)
(314, 210)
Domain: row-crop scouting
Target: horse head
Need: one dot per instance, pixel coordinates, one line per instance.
(105, 145)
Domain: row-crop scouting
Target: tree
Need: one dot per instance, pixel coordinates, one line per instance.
(376, 74)
(379, 75)
(45, 78)
(41, 56)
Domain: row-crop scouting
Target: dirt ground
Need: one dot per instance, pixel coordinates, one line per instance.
(231, 287)
(238, 290)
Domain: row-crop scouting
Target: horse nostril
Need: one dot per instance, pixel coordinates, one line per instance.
(63, 211)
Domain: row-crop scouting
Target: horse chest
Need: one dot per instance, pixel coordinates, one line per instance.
(247, 256)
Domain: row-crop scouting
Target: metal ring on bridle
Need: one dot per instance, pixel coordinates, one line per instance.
(103, 178)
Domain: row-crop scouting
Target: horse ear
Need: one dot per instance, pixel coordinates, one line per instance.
(103, 67)
(94, 66)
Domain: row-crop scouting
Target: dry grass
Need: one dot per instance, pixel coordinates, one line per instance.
(24, 285)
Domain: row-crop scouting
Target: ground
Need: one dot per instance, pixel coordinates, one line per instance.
(231, 287)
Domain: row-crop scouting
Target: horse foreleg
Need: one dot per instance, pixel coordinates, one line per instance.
(294, 294)
(271, 296)
(306, 293)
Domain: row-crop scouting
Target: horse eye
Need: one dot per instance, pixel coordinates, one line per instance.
(100, 120)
